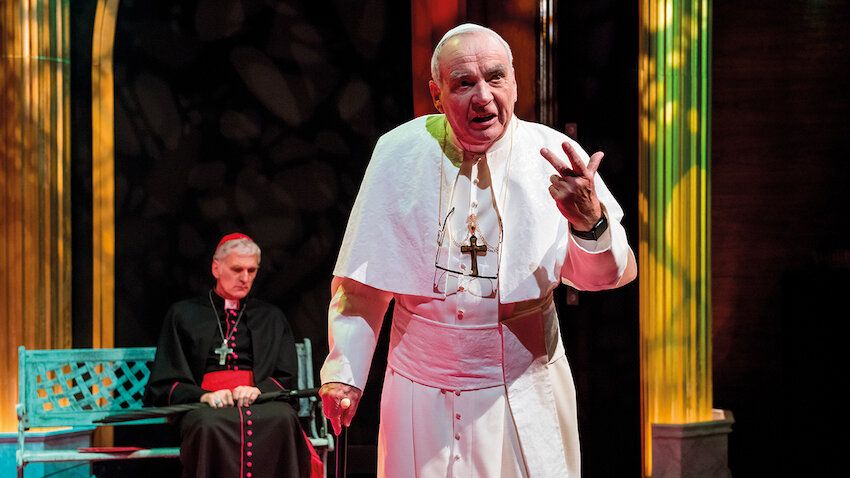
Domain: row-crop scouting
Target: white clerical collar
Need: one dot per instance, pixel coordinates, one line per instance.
(231, 304)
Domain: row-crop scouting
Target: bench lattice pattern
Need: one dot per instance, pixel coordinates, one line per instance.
(90, 386)
(74, 388)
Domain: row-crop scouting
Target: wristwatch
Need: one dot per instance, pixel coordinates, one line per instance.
(595, 232)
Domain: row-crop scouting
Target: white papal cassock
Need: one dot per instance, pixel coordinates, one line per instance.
(477, 383)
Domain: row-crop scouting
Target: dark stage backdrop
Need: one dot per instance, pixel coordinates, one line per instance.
(597, 90)
(247, 116)
(781, 252)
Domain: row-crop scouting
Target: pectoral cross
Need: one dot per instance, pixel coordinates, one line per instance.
(223, 352)
(474, 250)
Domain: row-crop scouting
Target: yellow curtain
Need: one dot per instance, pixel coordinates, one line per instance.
(675, 202)
(35, 259)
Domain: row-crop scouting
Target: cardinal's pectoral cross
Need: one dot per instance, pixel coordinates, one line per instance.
(474, 250)
(223, 352)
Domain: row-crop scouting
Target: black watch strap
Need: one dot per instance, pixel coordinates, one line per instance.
(595, 232)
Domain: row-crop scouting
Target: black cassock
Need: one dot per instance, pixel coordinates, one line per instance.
(262, 440)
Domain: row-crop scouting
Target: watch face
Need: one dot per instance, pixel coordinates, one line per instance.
(600, 227)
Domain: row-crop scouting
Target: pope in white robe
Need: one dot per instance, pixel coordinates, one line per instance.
(469, 220)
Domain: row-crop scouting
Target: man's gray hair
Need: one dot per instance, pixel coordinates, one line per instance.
(463, 30)
(240, 246)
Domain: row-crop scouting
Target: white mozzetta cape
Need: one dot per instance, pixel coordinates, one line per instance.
(391, 239)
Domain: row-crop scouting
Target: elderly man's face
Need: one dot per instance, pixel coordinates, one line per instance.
(235, 274)
(477, 89)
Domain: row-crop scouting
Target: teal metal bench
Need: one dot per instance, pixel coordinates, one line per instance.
(77, 387)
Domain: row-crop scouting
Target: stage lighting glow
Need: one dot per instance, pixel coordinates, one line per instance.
(675, 201)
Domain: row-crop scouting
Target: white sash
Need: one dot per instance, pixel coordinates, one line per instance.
(512, 353)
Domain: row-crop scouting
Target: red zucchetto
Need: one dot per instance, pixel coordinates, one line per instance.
(231, 237)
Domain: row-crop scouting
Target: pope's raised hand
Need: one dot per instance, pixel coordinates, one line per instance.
(573, 187)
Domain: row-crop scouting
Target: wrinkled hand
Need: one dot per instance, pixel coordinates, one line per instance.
(573, 188)
(333, 393)
(245, 395)
(218, 399)
(241, 396)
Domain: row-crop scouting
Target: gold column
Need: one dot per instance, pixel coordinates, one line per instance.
(675, 204)
(103, 175)
(103, 185)
(35, 233)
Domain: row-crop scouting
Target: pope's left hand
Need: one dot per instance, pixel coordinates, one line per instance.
(244, 395)
(573, 188)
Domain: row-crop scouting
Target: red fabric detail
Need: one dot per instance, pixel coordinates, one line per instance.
(171, 392)
(228, 379)
(109, 449)
(231, 237)
(317, 468)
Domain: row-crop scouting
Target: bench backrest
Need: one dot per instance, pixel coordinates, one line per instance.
(313, 419)
(76, 386)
